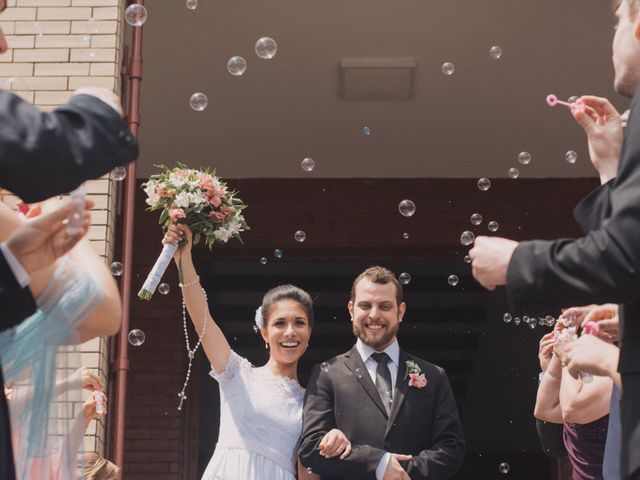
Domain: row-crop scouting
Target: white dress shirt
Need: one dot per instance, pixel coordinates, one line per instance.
(393, 351)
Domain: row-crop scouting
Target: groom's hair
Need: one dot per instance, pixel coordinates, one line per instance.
(287, 292)
(381, 275)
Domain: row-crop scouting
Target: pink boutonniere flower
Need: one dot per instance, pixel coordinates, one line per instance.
(417, 380)
(415, 375)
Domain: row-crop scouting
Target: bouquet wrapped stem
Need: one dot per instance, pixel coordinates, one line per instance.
(198, 199)
(155, 275)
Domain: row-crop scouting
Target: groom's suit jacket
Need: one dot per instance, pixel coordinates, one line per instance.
(601, 267)
(422, 422)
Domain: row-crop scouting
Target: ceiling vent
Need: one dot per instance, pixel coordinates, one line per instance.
(377, 79)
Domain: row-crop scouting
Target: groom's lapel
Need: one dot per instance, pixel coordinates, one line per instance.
(402, 385)
(353, 360)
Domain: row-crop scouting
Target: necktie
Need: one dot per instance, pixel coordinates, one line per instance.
(383, 379)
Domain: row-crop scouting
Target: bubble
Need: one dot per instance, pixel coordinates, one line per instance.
(119, 173)
(38, 28)
(571, 156)
(513, 173)
(277, 253)
(15, 84)
(573, 99)
(192, 4)
(448, 68)
(358, 372)
(493, 226)
(524, 158)
(308, 164)
(309, 470)
(136, 337)
(484, 184)
(467, 259)
(526, 319)
(504, 468)
(404, 278)
(300, 236)
(366, 130)
(116, 269)
(266, 48)
(586, 377)
(324, 366)
(507, 317)
(135, 15)
(475, 219)
(164, 288)
(263, 260)
(237, 66)
(255, 328)
(407, 208)
(94, 25)
(90, 54)
(495, 52)
(405, 235)
(516, 321)
(532, 325)
(198, 101)
(453, 280)
(467, 237)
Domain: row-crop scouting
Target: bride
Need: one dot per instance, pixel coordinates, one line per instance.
(260, 408)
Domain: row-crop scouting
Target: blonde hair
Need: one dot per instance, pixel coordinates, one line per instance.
(98, 468)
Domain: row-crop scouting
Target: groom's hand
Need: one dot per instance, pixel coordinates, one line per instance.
(335, 443)
(394, 470)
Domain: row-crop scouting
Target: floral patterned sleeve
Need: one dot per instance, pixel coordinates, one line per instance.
(234, 365)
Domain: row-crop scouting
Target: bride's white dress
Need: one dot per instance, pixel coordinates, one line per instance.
(260, 424)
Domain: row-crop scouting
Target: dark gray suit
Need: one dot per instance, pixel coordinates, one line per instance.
(603, 266)
(422, 422)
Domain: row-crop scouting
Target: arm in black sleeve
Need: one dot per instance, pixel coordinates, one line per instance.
(16, 302)
(46, 153)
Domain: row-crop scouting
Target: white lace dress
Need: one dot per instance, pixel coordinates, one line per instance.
(260, 424)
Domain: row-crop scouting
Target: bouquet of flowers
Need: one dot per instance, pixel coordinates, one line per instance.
(198, 199)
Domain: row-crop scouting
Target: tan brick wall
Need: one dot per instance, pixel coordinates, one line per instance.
(55, 47)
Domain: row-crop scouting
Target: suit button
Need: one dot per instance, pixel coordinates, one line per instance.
(387, 445)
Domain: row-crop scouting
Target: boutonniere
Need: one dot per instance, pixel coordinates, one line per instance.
(415, 375)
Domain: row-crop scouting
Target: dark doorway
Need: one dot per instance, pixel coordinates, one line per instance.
(492, 365)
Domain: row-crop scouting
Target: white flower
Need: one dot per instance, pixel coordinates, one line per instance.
(223, 234)
(176, 180)
(197, 198)
(259, 320)
(153, 199)
(150, 188)
(182, 200)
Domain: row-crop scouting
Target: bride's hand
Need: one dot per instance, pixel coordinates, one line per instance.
(335, 443)
(175, 233)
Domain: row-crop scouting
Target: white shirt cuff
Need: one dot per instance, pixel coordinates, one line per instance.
(18, 270)
(382, 465)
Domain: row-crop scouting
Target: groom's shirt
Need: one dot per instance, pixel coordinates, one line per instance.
(393, 351)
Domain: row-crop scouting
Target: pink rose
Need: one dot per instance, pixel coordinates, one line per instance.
(176, 214)
(216, 201)
(227, 210)
(217, 216)
(417, 380)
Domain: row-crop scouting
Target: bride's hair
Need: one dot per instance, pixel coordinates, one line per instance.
(286, 292)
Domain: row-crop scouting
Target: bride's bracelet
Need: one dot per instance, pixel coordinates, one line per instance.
(190, 284)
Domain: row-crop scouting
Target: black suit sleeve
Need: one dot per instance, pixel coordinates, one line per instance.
(318, 419)
(46, 153)
(445, 454)
(593, 208)
(17, 302)
(550, 435)
(604, 265)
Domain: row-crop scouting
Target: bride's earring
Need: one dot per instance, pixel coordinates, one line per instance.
(266, 345)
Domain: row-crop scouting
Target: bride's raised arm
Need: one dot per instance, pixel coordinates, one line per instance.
(214, 342)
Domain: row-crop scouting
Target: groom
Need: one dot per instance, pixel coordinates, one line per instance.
(408, 431)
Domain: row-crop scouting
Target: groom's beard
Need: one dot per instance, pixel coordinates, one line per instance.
(377, 342)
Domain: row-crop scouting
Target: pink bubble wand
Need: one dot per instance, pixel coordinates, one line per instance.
(552, 101)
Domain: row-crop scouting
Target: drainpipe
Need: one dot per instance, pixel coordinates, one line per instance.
(120, 366)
